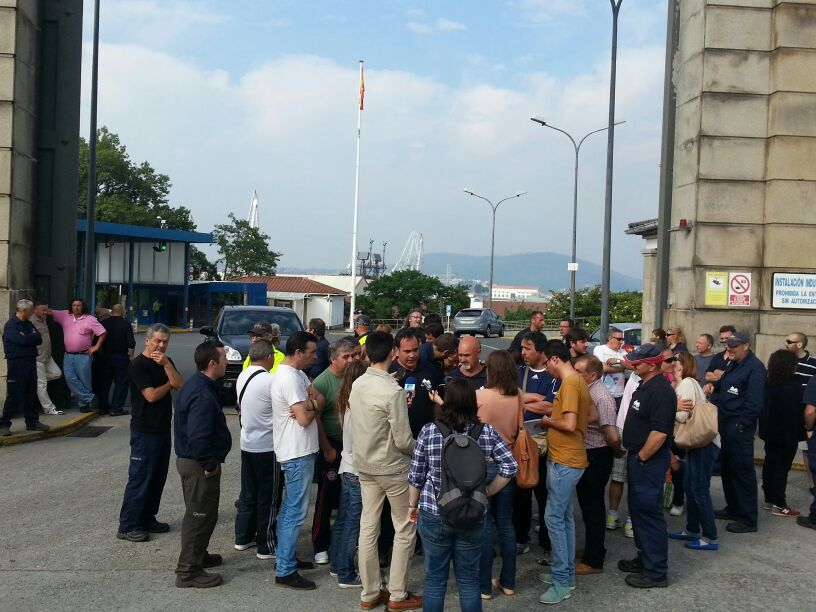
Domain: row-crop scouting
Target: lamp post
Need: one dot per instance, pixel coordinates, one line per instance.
(89, 269)
(494, 208)
(573, 266)
(610, 149)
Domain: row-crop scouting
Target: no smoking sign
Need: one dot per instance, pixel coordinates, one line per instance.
(739, 289)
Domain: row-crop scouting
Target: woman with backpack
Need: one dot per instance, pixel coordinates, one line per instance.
(499, 407)
(782, 427)
(448, 497)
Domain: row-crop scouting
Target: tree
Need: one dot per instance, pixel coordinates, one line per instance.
(127, 192)
(201, 267)
(244, 249)
(521, 313)
(409, 289)
(624, 306)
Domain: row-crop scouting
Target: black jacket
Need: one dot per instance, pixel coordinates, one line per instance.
(783, 419)
(20, 339)
(199, 425)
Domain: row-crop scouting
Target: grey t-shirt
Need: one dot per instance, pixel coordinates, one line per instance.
(702, 366)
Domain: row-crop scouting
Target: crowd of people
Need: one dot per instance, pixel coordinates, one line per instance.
(414, 441)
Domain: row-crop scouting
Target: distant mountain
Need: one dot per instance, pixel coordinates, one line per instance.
(547, 271)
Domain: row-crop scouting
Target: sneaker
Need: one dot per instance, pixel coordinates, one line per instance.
(411, 602)
(264, 556)
(806, 521)
(136, 535)
(676, 510)
(54, 412)
(785, 511)
(537, 528)
(628, 532)
(522, 549)
(5, 430)
(738, 527)
(767, 505)
(211, 560)
(332, 573)
(295, 581)
(243, 547)
(683, 535)
(116, 413)
(547, 578)
(203, 580)
(555, 595)
(612, 522)
(639, 581)
(355, 583)
(322, 558)
(702, 545)
(37, 427)
(157, 527)
(546, 560)
(631, 566)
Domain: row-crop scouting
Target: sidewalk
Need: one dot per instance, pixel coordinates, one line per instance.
(61, 425)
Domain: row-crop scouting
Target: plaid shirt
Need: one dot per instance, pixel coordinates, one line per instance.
(426, 464)
(605, 404)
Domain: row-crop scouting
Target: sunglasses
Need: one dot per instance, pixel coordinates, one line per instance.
(669, 335)
(618, 338)
(672, 359)
(792, 341)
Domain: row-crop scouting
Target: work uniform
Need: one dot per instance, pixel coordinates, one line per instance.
(20, 341)
(740, 398)
(652, 408)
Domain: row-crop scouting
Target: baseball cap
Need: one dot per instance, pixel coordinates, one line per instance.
(261, 329)
(738, 338)
(645, 353)
(363, 320)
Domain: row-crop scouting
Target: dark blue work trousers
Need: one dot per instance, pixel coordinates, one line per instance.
(149, 460)
(113, 371)
(646, 481)
(737, 469)
(21, 391)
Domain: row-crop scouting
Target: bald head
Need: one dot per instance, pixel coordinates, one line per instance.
(117, 310)
(469, 351)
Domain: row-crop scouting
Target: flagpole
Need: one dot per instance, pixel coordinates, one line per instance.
(356, 202)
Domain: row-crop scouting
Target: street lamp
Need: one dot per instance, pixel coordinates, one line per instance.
(573, 266)
(518, 194)
(610, 148)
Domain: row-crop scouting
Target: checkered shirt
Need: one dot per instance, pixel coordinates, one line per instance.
(426, 464)
(605, 404)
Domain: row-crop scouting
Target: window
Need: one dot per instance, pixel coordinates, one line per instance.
(239, 322)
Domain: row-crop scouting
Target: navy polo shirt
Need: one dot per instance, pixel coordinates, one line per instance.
(809, 397)
(653, 407)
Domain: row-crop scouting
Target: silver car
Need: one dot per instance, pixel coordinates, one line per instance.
(631, 336)
(478, 321)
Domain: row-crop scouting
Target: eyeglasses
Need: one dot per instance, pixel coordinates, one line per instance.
(672, 359)
(792, 341)
(669, 335)
(618, 338)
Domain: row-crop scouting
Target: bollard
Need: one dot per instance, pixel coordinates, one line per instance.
(191, 325)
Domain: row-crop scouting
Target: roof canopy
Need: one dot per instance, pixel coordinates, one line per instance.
(140, 233)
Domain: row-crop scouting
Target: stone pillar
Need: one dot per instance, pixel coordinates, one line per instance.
(744, 169)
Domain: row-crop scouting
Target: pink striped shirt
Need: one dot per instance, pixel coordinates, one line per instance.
(78, 332)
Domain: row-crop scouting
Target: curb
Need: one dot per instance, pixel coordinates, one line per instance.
(63, 429)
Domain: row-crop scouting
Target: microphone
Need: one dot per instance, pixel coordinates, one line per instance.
(410, 387)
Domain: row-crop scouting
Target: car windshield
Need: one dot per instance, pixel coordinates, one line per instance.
(632, 336)
(239, 322)
(470, 313)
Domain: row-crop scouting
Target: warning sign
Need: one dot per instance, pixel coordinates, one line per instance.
(739, 289)
(716, 289)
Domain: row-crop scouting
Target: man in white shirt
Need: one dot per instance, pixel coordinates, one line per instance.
(296, 444)
(611, 356)
(260, 498)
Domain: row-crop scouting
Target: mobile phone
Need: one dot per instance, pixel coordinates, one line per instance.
(427, 384)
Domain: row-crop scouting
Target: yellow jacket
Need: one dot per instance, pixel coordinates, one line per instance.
(278, 358)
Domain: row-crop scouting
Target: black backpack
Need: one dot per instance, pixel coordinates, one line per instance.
(462, 500)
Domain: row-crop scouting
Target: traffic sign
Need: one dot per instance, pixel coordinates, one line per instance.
(739, 289)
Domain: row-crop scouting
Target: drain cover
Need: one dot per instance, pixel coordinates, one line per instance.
(89, 431)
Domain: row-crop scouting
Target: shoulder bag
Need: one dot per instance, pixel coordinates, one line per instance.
(700, 428)
(526, 454)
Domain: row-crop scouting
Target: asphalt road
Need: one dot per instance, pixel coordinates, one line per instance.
(60, 500)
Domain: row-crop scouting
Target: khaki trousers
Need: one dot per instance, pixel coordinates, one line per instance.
(201, 496)
(373, 491)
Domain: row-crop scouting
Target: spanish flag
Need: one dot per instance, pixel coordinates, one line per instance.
(362, 86)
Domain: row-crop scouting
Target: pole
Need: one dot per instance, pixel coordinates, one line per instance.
(574, 264)
(492, 251)
(90, 224)
(356, 203)
(610, 148)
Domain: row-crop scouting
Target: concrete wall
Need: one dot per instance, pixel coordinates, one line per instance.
(745, 160)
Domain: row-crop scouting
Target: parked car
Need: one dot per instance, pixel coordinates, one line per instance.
(232, 328)
(478, 321)
(631, 336)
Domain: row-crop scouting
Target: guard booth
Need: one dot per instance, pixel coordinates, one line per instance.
(148, 266)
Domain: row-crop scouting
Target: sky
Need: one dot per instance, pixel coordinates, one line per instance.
(231, 97)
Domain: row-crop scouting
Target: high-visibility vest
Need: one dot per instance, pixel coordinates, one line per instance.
(278, 358)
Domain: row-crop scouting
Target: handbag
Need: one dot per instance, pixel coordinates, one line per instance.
(540, 439)
(526, 455)
(700, 428)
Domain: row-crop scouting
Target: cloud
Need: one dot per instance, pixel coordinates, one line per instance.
(418, 28)
(446, 25)
(288, 129)
(544, 11)
(441, 25)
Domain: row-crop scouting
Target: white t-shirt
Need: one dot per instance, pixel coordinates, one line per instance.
(346, 457)
(256, 410)
(291, 440)
(628, 392)
(615, 382)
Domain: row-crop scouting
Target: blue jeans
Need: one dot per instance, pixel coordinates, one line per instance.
(646, 482)
(700, 509)
(500, 513)
(346, 529)
(298, 474)
(147, 474)
(561, 483)
(77, 371)
(440, 542)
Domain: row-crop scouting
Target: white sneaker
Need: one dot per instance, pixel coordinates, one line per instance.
(322, 558)
(612, 522)
(54, 412)
(676, 510)
(628, 532)
(265, 557)
(246, 546)
(522, 549)
(537, 528)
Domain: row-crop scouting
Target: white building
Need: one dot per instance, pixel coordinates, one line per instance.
(514, 292)
(308, 298)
